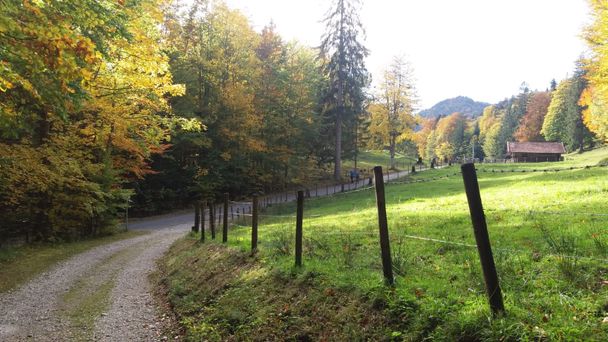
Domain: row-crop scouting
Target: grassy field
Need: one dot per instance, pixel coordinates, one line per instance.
(549, 233)
(20, 264)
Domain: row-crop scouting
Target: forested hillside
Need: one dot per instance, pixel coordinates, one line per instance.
(554, 115)
(461, 104)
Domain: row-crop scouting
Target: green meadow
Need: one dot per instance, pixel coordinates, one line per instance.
(549, 234)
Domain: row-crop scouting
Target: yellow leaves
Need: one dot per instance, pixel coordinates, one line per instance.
(226, 156)
(380, 124)
(5, 84)
(596, 95)
(201, 172)
(175, 89)
(256, 145)
(33, 6)
(594, 115)
(189, 125)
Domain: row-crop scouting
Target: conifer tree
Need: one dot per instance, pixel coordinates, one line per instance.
(343, 55)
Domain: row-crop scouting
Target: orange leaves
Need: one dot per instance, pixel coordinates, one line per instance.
(32, 7)
(532, 122)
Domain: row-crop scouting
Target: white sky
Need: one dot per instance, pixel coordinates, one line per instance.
(483, 49)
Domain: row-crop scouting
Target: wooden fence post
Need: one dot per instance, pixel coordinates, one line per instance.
(225, 218)
(219, 215)
(254, 225)
(202, 208)
(197, 218)
(482, 238)
(212, 220)
(300, 213)
(387, 265)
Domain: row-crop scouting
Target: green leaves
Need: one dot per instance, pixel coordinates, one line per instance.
(564, 121)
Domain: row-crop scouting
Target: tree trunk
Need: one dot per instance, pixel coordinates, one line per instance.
(338, 154)
(340, 99)
(392, 152)
(356, 142)
(43, 129)
(41, 224)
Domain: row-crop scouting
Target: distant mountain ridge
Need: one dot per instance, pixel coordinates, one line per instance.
(461, 104)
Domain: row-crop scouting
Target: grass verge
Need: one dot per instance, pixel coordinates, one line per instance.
(221, 294)
(20, 264)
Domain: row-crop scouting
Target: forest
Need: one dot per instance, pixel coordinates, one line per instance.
(154, 104)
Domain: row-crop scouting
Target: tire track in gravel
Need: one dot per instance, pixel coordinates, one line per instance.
(101, 294)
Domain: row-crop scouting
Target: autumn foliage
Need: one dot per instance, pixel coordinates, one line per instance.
(532, 122)
(83, 105)
(594, 99)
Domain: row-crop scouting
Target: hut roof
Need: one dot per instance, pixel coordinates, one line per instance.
(535, 147)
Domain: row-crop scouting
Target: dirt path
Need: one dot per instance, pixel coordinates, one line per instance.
(102, 294)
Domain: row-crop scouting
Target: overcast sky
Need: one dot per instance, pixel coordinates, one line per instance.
(483, 49)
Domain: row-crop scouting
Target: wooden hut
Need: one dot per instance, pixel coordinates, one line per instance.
(524, 152)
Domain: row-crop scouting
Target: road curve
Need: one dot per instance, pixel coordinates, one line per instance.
(47, 307)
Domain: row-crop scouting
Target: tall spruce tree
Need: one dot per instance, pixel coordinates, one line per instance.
(343, 55)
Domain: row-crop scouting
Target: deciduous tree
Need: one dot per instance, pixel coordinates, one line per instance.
(531, 123)
(391, 113)
(595, 98)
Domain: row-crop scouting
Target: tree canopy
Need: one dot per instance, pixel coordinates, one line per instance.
(80, 113)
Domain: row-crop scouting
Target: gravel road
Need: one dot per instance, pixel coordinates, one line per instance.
(53, 306)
